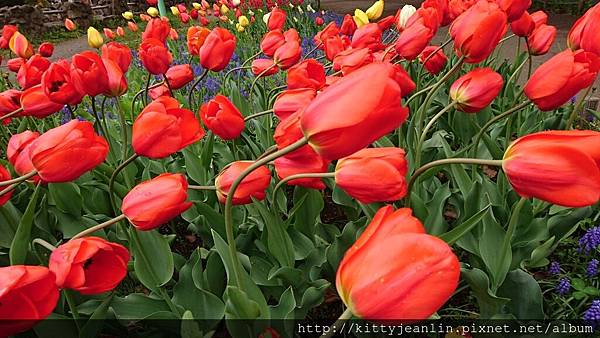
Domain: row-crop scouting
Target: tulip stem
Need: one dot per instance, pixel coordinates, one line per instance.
(99, 226)
(426, 167)
(302, 175)
(255, 115)
(18, 179)
(202, 187)
(268, 151)
(123, 124)
(145, 97)
(426, 129)
(11, 114)
(9, 188)
(506, 38)
(43, 243)
(168, 84)
(142, 91)
(191, 94)
(259, 76)
(576, 109)
(347, 314)
(242, 66)
(312, 50)
(113, 177)
(229, 204)
(415, 95)
(436, 51)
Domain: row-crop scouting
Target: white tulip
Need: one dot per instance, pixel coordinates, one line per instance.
(266, 17)
(405, 13)
(310, 9)
(235, 3)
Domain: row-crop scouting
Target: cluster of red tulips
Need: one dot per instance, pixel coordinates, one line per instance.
(395, 270)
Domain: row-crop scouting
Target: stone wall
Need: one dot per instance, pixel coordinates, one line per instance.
(28, 18)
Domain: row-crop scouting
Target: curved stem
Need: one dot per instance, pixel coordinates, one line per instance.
(11, 114)
(268, 151)
(9, 188)
(229, 204)
(259, 76)
(19, 179)
(347, 314)
(166, 80)
(111, 181)
(191, 94)
(99, 227)
(426, 129)
(145, 97)
(250, 117)
(312, 50)
(278, 88)
(242, 66)
(424, 168)
(123, 124)
(142, 91)
(514, 75)
(98, 123)
(302, 175)
(413, 96)
(43, 243)
(506, 38)
(529, 58)
(436, 51)
(202, 187)
(576, 109)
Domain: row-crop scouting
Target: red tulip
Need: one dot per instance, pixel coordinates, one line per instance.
(10, 100)
(37, 104)
(368, 36)
(287, 55)
(557, 80)
(541, 39)
(514, 8)
(46, 49)
(271, 41)
(184, 17)
(407, 86)
(336, 126)
(70, 25)
(354, 174)
(132, 26)
(539, 18)
(309, 73)
(478, 30)
(328, 31)
(222, 118)
(64, 153)
(292, 35)
(396, 272)
(180, 75)
(18, 152)
(89, 265)
(155, 57)
(457, 7)
(7, 33)
(117, 82)
(348, 25)
(109, 33)
(252, 186)
(120, 31)
(118, 53)
(386, 23)
(157, 28)
(288, 131)
(15, 64)
(413, 40)
(276, 19)
(560, 167)
(426, 16)
(292, 100)
(523, 26)
(30, 73)
(58, 86)
(334, 45)
(437, 62)
(196, 36)
(217, 49)
(264, 67)
(28, 295)
(159, 91)
(476, 89)
(163, 128)
(153, 203)
(5, 176)
(319, 21)
(442, 9)
(88, 73)
(303, 160)
(350, 60)
(585, 33)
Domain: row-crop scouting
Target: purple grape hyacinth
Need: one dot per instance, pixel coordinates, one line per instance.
(590, 240)
(563, 287)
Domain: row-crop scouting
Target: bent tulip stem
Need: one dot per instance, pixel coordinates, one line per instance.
(113, 177)
(426, 167)
(166, 80)
(415, 95)
(43, 243)
(229, 204)
(259, 76)
(19, 179)
(9, 189)
(202, 187)
(255, 115)
(506, 38)
(347, 314)
(576, 109)
(312, 50)
(302, 175)
(426, 129)
(194, 85)
(137, 95)
(11, 114)
(99, 227)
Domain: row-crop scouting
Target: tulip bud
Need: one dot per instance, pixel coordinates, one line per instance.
(46, 49)
(235, 3)
(21, 46)
(224, 9)
(179, 76)
(541, 39)
(155, 57)
(585, 31)
(174, 10)
(375, 11)
(239, 27)
(132, 26)
(476, 89)
(70, 25)
(405, 13)
(196, 5)
(217, 49)
(153, 203)
(243, 21)
(308, 74)
(437, 62)
(360, 18)
(109, 34)
(127, 15)
(94, 38)
(252, 186)
(222, 118)
(152, 11)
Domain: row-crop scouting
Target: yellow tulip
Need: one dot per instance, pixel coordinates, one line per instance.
(152, 11)
(196, 5)
(376, 10)
(19, 45)
(94, 38)
(243, 21)
(175, 10)
(360, 18)
(224, 9)
(239, 27)
(127, 15)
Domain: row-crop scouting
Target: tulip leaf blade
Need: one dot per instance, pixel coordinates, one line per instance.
(153, 263)
(20, 243)
(93, 326)
(67, 197)
(456, 233)
(278, 240)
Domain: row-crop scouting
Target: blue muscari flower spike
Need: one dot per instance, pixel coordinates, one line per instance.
(590, 240)
(592, 268)
(554, 268)
(563, 287)
(592, 315)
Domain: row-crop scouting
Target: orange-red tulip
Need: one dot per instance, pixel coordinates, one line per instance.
(118, 53)
(7, 32)
(442, 9)
(46, 49)
(5, 176)
(20, 45)
(70, 25)
(155, 57)
(276, 19)
(120, 31)
(336, 126)
(585, 33)
(514, 8)
(478, 30)
(413, 40)
(132, 26)
(541, 39)
(271, 41)
(368, 36)
(264, 67)
(10, 100)
(476, 89)
(386, 23)
(157, 28)
(354, 174)
(292, 35)
(328, 31)
(523, 26)
(88, 73)
(30, 73)
(348, 26)
(180, 75)
(28, 295)
(58, 86)
(287, 54)
(457, 7)
(64, 153)
(89, 265)
(222, 118)
(350, 60)
(18, 152)
(195, 38)
(557, 80)
(334, 45)
(217, 49)
(36, 103)
(152, 203)
(539, 18)
(394, 271)
(252, 186)
(303, 160)
(292, 100)
(117, 82)
(435, 63)
(309, 73)
(560, 167)
(288, 131)
(163, 128)
(109, 33)
(15, 64)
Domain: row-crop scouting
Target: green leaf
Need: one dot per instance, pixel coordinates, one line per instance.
(490, 246)
(93, 326)
(153, 261)
(20, 243)
(308, 211)
(455, 234)
(278, 241)
(67, 197)
(239, 306)
(9, 223)
(526, 300)
(193, 165)
(189, 327)
(489, 303)
(435, 222)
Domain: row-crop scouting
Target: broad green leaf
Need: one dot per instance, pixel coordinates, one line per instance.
(455, 234)
(278, 241)
(153, 261)
(67, 197)
(20, 243)
(94, 325)
(489, 303)
(526, 300)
